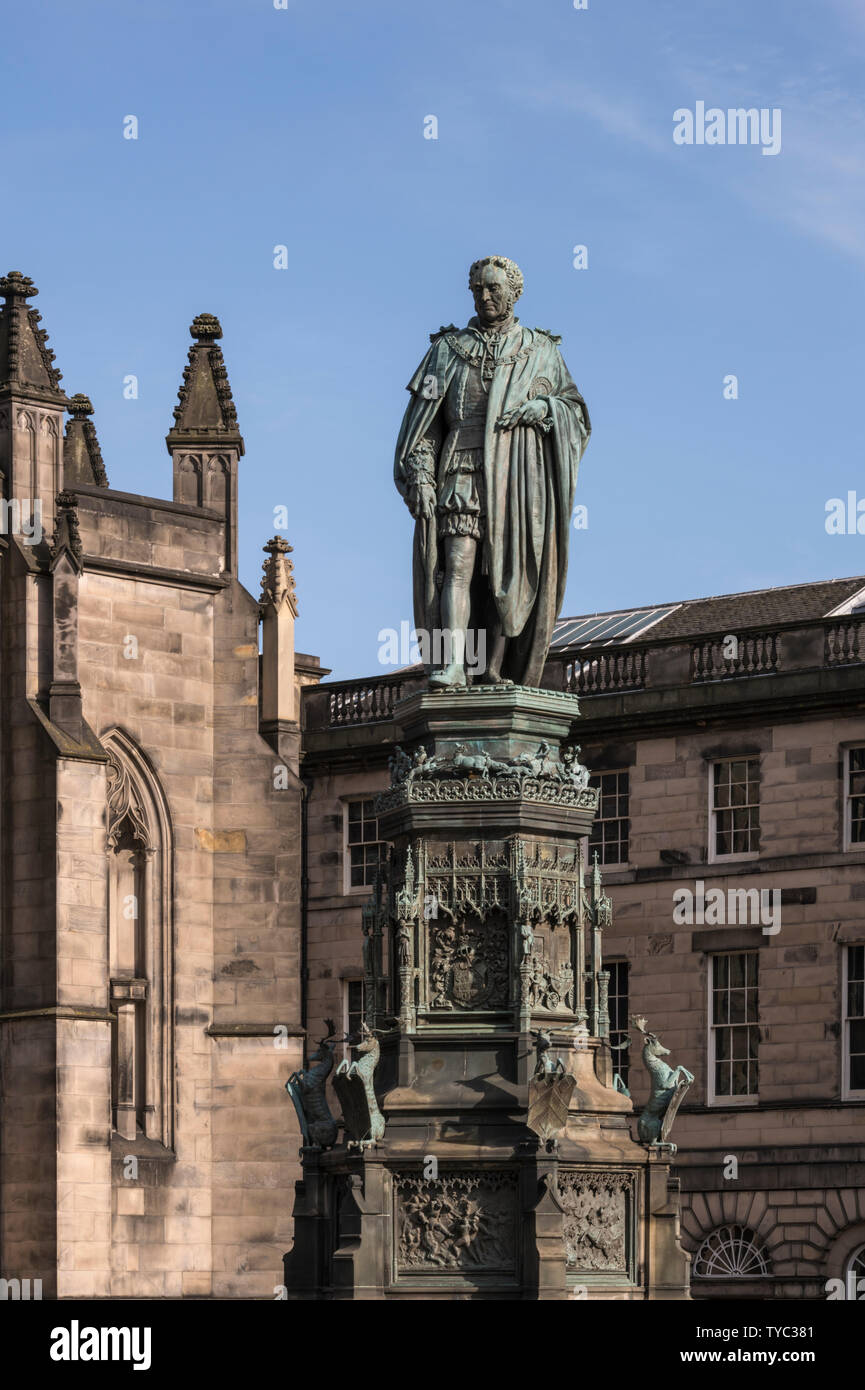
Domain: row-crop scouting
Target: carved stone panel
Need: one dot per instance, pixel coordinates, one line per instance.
(460, 1222)
(551, 985)
(469, 963)
(597, 1226)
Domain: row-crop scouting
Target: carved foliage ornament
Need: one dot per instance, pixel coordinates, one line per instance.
(500, 788)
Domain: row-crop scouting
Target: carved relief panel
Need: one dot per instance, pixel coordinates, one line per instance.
(459, 1222)
(599, 1209)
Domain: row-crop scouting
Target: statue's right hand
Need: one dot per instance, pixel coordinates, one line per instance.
(421, 499)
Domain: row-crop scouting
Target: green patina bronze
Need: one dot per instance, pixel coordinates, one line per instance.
(487, 461)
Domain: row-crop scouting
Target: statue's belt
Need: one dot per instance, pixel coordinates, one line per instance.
(469, 434)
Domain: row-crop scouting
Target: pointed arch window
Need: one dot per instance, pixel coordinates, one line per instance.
(139, 945)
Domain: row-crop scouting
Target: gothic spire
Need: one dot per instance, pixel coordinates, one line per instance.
(26, 360)
(205, 413)
(82, 459)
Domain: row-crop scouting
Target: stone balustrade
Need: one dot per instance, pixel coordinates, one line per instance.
(620, 669)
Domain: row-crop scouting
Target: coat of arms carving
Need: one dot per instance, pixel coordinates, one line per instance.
(468, 965)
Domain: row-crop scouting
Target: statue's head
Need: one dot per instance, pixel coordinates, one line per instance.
(496, 284)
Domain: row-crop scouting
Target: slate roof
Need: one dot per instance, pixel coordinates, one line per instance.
(756, 608)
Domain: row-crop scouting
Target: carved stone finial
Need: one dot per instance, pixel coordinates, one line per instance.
(601, 902)
(80, 406)
(17, 286)
(25, 357)
(277, 582)
(82, 457)
(206, 328)
(67, 536)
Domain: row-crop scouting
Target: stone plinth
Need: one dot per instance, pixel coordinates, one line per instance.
(507, 1167)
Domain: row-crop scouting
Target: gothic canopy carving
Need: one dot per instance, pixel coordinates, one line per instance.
(125, 807)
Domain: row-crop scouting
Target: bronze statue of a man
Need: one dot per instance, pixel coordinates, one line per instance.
(486, 461)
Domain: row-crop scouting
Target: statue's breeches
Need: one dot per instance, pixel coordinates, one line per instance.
(461, 506)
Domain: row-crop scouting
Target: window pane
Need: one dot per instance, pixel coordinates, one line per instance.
(609, 836)
(737, 1006)
(734, 1022)
(736, 796)
(856, 794)
(367, 852)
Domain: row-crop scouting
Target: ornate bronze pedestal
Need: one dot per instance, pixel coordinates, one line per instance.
(506, 1169)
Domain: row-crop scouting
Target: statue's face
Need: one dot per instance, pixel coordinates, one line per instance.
(492, 294)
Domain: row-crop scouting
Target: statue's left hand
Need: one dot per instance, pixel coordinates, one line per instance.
(530, 413)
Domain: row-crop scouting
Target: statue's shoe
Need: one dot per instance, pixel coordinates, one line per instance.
(449, 677)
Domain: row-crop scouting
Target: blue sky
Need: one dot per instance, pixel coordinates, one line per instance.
(304, 127)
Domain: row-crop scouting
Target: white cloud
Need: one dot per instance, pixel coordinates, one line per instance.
(816, 186)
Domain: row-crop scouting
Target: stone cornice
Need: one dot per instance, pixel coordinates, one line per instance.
(154, 574)
(108, 495)
(82, 1012)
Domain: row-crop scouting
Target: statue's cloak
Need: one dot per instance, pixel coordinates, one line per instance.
(530, 474)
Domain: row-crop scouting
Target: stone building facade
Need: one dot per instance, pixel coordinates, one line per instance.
(150, 820)
(727, 737)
